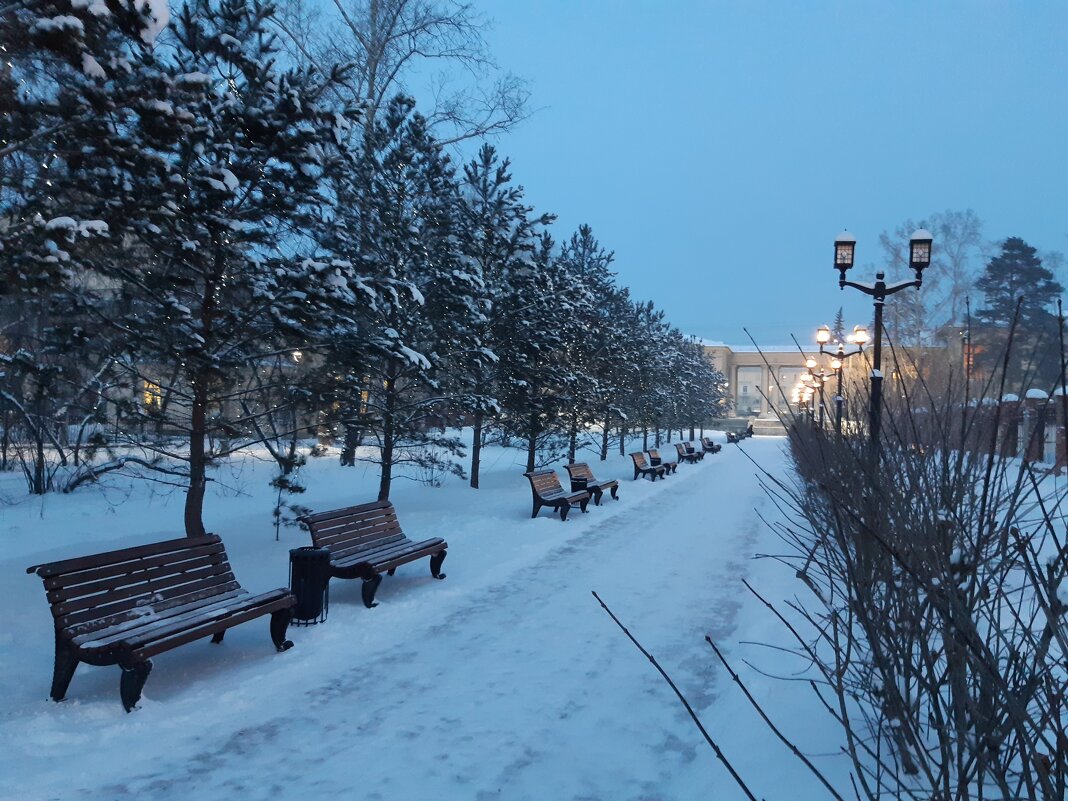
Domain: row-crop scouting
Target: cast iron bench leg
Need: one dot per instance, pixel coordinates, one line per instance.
(435, 564)
(564, 510)
(217, 637)
(63, 672)
(537, 508)
(370, 587)
(134, 676)
(615, 489)
(280, 619)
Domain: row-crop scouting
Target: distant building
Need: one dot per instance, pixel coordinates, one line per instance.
(759, 382)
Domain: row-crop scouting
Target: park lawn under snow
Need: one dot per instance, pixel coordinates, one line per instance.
(505, 681)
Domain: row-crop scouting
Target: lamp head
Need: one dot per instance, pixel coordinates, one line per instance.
(844, 245)
(823, 335)
(920, 251)
(810, 363)
(860, 335)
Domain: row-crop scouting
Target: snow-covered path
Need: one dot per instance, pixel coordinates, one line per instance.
(511, 683)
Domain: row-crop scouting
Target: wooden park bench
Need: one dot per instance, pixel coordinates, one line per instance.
(736, 438)
(656, 461)
(692, 448)
(582, 480)
(366, 541)
(124, 607)
(546, 489)
(643, 468)
(709, 446)
(688, 454)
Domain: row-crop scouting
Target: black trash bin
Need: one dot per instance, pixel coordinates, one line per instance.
(309, 580)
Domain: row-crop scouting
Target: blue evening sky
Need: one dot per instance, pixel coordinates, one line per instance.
(719, 147)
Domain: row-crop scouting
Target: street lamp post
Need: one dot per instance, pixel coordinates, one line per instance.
(818, 380)
(919, 259)
(859, 337)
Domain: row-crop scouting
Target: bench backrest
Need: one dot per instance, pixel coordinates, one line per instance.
(654, 453)
(639, 460)
(94, 592)
(544, 482)
(707, 441)
(580, 470)
(682, 449)
(354, 527)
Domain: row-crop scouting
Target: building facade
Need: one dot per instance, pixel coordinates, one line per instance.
(759, 381)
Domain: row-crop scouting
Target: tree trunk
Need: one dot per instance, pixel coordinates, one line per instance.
(691, 434)
(390, 406)
(194, 496)
(623, 439)
(476, 449)
(604, 438)
(658, 436)
(6, 441)
(39, 462)
(645, 438)
(572, 440)
(532, 442)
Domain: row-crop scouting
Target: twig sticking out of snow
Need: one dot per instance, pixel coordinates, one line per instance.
(693, 715)
(756, 705)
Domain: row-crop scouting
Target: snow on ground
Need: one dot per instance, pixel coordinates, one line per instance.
(505, 681)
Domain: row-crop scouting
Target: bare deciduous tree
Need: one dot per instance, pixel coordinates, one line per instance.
(403, 45)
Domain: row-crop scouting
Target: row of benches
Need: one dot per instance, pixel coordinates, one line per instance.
(125, 606)
(547, 491)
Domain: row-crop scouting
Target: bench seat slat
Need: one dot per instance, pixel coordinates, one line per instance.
(126, 609)
(195, 618)
(79, 577)
(155, 619)
(317, 518)
(134, 577)
(392, 552)
(338, 526)
(357, 534)
(264, 607)
(119, 556)
(358, 547)
(146, 589)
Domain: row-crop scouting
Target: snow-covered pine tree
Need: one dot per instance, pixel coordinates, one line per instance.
(499, 234)
(210, 186)
(838, 332)
(1019, 290)
(534, 374)
(64, 86)
(397, 217)
(589, 334)
(650, 393)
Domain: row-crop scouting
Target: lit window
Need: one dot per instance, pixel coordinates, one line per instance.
(152, 395)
